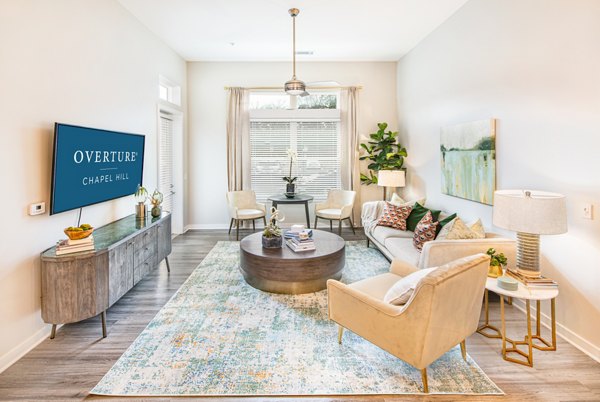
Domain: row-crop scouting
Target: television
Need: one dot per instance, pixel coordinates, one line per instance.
(91, 165)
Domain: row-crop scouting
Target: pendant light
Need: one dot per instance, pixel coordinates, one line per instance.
(294, 86)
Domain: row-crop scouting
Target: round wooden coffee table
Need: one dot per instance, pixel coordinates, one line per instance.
(282, 270)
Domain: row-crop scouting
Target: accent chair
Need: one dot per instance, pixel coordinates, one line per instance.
(442, 311)
(242, 206)
(337, 207)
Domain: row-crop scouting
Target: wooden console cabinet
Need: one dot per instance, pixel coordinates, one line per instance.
(82, 285)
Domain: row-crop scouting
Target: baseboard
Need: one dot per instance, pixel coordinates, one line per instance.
(199, 226)
(565, 333)
(24, 347)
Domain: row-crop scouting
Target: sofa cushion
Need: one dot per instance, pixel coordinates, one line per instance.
(394, 216)
(403, 249)
(425, 231)
(381, 233)
(401, 291)
(417, 213)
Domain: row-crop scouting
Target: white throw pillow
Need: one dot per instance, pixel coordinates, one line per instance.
(404, 288)
(400, 202)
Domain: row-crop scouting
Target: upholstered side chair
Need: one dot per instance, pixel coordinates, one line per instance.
(337, 207)
(442, 311)
(242, 206)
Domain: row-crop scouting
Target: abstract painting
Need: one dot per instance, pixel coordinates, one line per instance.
(468, 158)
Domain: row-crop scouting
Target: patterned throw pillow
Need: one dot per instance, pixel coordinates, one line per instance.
(425, 231)
(458, 230)
(394, 217)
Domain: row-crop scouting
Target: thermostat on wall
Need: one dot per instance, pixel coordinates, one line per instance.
(37, 209)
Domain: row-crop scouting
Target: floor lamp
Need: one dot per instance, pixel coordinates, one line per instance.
(390, 178)
(530, 214)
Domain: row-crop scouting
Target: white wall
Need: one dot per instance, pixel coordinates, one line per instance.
(533, 65)
(207, 128)
(85, 63)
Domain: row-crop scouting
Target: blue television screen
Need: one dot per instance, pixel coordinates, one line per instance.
(92, 165)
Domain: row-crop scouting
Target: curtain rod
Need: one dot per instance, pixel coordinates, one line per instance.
(281, 87)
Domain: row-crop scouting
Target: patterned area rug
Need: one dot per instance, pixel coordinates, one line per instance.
(219, 336)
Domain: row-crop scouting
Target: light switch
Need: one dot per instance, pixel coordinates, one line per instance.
(588, 211)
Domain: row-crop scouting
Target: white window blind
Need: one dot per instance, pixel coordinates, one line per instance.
(317, 144)
(165, 155)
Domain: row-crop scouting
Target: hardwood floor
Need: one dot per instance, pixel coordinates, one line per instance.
(67, 367)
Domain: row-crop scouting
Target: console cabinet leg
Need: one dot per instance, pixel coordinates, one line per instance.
(53, 333)
(103, 314)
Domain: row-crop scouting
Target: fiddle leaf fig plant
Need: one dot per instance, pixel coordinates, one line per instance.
(383, 152)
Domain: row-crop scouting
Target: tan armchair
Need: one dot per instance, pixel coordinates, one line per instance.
(443, 310)
(337, 207)
(242, 206)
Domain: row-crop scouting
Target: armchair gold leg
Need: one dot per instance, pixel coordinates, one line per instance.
(463, 349)
(424, 379)
(340, 333)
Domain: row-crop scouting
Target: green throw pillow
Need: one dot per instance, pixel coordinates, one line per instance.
(417, 213)
(444, 222)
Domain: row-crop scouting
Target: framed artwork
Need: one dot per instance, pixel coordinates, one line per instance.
(468, 160)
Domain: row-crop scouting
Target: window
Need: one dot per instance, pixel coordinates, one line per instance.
(311, 127)
(169, 91)
(165, 160)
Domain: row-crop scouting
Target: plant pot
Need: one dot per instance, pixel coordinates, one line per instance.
(272, 242)
(494, 271)
(156, 211)
(290, 188)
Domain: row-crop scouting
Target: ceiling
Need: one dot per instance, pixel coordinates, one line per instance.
(261, 30)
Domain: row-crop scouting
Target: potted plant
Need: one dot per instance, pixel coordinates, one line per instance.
(156, 200)
(497, 261)
(140, 195)
(383, 152)
(271, 237)
(290, 187)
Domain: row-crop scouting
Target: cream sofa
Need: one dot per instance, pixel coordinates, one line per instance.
(398, 244)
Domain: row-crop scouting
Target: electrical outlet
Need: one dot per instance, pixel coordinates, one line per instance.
(588, 211)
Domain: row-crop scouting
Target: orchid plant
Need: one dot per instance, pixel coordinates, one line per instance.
(293, 157)
(272, 229)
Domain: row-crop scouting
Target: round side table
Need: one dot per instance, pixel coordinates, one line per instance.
(527, 294)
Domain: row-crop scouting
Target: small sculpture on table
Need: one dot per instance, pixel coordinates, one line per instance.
(156, 199)
(141, 195)
(290, 187)
(271, 237)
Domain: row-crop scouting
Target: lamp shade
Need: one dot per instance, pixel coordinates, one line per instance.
(391, 178)
(529, 211)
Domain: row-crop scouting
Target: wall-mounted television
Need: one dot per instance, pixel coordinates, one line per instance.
(91, 165)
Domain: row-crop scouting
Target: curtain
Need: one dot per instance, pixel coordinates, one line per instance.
(350, 146)
(238, 140)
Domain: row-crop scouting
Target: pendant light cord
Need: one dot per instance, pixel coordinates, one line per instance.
(294, 44)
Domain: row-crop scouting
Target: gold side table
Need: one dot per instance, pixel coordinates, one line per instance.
(529, 295)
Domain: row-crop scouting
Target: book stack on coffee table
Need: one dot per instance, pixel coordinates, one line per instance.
(299, 239)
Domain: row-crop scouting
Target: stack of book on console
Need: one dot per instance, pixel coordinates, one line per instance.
(533, 283)
(69, 246)
(299, 239)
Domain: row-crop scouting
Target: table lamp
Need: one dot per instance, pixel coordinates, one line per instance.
(530, 214)
(390, 178)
